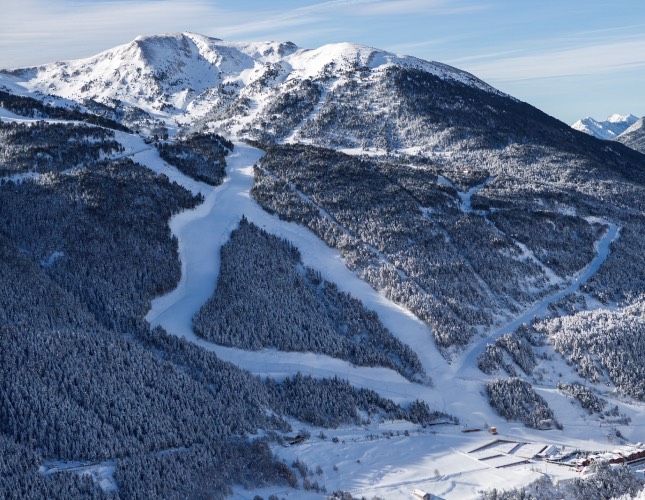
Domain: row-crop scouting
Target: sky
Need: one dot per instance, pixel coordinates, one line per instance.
(570, 58)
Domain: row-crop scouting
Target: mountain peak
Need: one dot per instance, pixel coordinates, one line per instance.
(634, 136)
(167, 73)
(616, 118)
(610, 128)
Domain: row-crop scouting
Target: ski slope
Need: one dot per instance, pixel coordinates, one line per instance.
(468, 364)
(390, 467)
(201, 233)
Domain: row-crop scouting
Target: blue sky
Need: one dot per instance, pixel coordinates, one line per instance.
(570, 58)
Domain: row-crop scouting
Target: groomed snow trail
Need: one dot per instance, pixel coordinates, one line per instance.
(468, 364)
(202, 232)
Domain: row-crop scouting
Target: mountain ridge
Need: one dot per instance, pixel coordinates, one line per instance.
(610, 128)
(194, 64)
(634, 136)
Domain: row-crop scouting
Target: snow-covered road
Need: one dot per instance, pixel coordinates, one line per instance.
(467, 367)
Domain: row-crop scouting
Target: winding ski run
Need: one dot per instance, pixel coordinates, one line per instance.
(202, 231)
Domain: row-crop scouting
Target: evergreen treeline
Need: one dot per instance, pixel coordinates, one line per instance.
(33, 108)
(202, 471)
(548, 179)
(284, 110)
(515, 399)
(604, 345)
(515, 345)
(402, 230)
(266, 298)
(109, 222)
(43, 147)
(72, 385)
(585, 396)
(332, 402)
(82, 377)
(21, 480)
(201, 156)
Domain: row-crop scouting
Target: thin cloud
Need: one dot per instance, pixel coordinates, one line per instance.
(329, 13)
(72, 29)
(427, 7)
(596, 59)
(40, 31)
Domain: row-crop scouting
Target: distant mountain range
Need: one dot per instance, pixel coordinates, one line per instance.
(626, 129)
(607, 129)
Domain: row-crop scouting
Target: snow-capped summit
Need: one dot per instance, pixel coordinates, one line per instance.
(610, 128)
(616, 118)
(179, 72)
(152, 72)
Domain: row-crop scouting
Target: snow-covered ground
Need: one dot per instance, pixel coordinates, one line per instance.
(101, 473)
(367, 462)
(201, 233)
(468, 363)
(379, 459)
(366, 466)
(466, 196)
(293, 136)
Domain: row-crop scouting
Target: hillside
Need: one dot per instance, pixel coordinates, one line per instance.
(237, 265)
(634, 136)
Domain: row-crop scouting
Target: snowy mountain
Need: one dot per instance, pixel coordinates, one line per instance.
(190, 73)
(610, 128)
(236, 266)
(634, 136)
